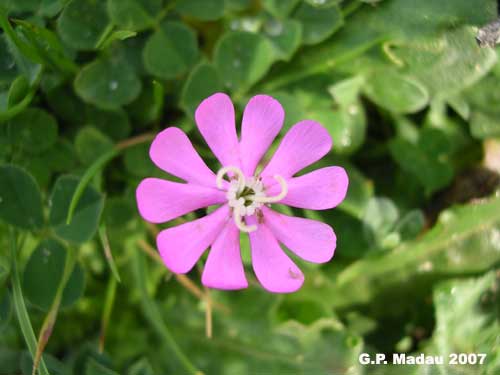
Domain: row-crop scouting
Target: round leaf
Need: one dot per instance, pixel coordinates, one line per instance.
(86, 215)
(201, 83)
(115, 124)
(20, 200)
(137, 162)
(279, 8)
(107, 83)
(44, 272)
(206, 10)
(318, 23)
(90, 144)
(242, 58)
(285, 37)
(347, 128)
(82, 23)
(396, 92)
(35, 130)
(171, 50)
(134, 15)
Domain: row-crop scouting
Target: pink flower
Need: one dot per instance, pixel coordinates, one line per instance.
(244, 197)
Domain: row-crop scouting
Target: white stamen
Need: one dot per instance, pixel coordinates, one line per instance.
(248, 203)
(276, 198)
(236, 171)
(239, 222)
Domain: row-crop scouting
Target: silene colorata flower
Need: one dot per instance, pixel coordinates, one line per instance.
(244, 195)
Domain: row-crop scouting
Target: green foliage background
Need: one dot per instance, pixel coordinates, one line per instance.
(411, 102)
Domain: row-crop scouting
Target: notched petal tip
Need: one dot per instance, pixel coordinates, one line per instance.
(144, 204)
(213, 100)
(215, 119)
(222, 285)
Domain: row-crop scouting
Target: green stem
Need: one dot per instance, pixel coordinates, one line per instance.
(50, 319)
(20, 307)
(107, 252)
(108, 308)
(307, 70)
(98, 165)
(154, 316)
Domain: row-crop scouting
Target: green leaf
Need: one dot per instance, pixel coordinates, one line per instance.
(5, 309)
(108, 38)
(86, 214)
(17, 91)
(95, 368)
(20, 48)
(242, 59)
(427, 160)
(467, 322)
(171, 50)
(444, 250)
(115, 124)
(347, 91)
(485, 125)
(141, 367)
(318, 23)
(153, 315)
(108, 83)
(90, 144)
(8, 70)
(285, 37)
(20, 306)
(484, 116)
(379, 220)
(43, 274)
(34, 130)
(135, 15)
(21, 5)
(50, 8)
(4, 272)
(118, 212)
(82, 23)
(280, 8)
(347, 127)
(437, 62)
(202, 82)
(47, 45)
(396, 92)
(205, 10)
(20, 200)
(410, 225)
(61, 157)
(137, 162)
(148, 107)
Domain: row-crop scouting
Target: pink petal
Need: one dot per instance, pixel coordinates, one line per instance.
(215, 119)
(224, 267)
(173, 152)
(181, 246)
(311, 240)
(160, 200)
(321, 189)
(273, 268)
(262, 121)
(305, 143)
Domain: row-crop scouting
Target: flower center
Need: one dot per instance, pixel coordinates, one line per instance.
(245, 196)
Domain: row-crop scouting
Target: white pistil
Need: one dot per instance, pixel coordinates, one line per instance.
(239, 222)
(223, 171)
(246, 196)
(276, 198)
